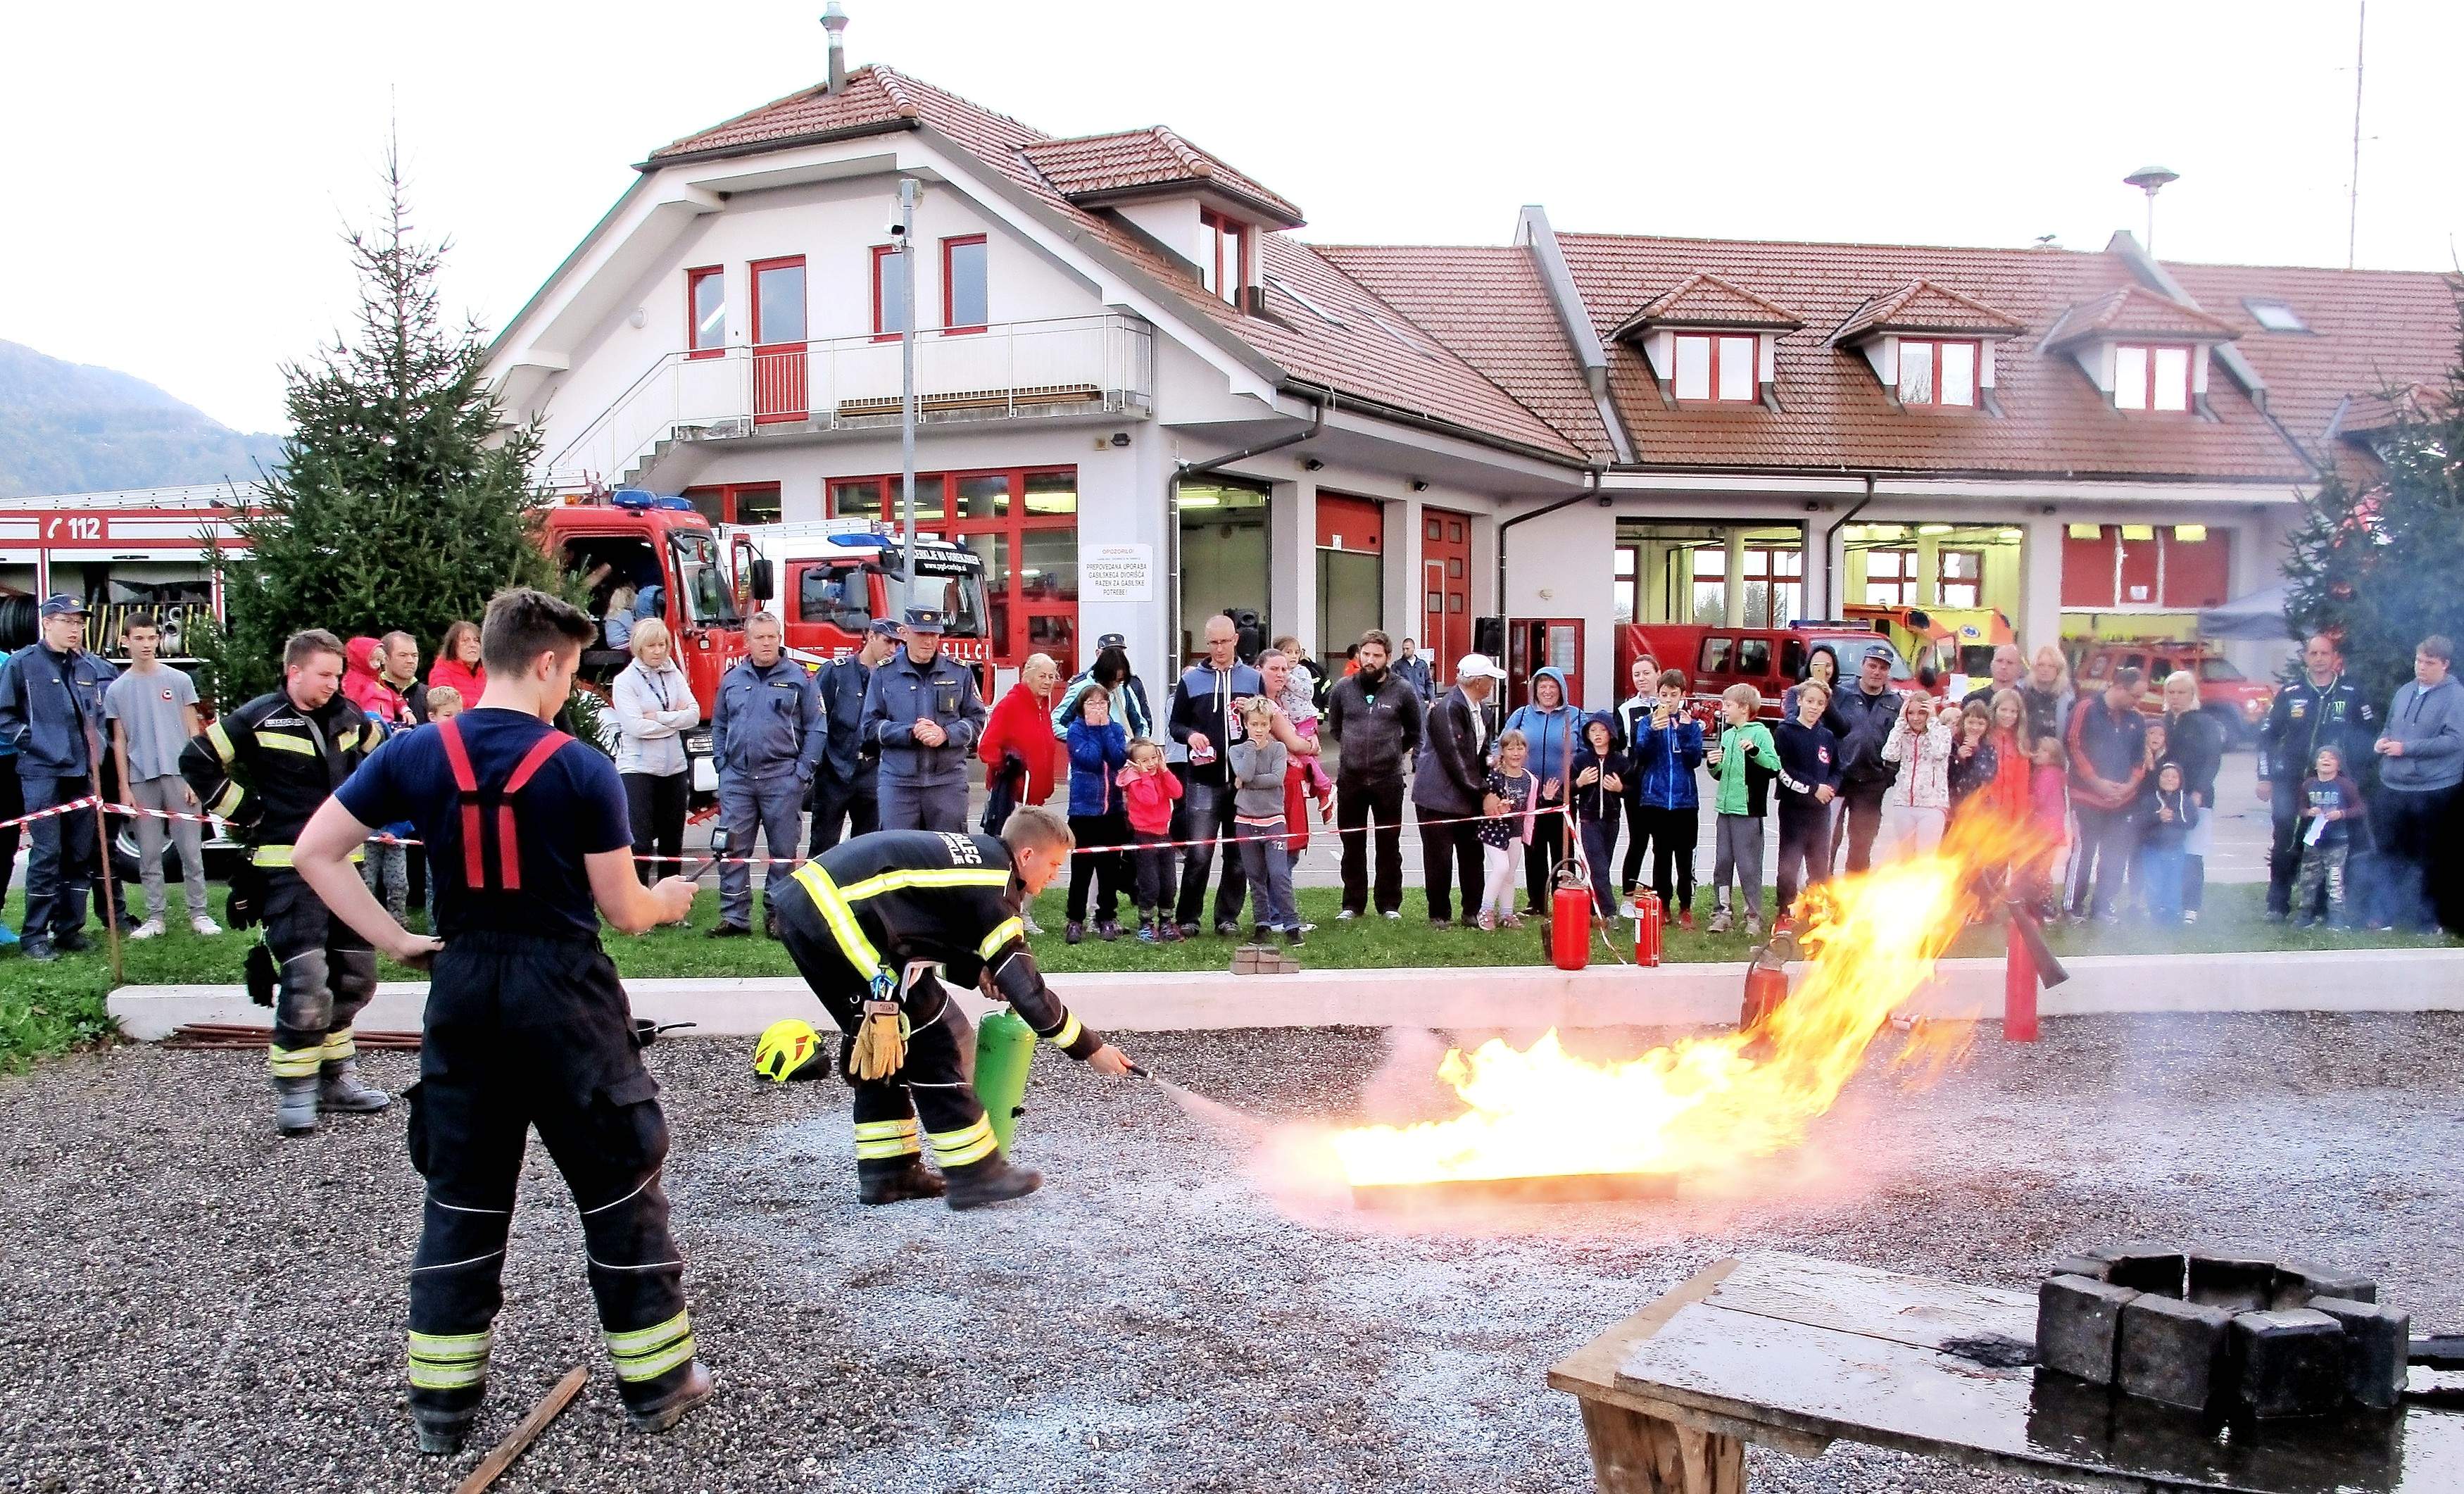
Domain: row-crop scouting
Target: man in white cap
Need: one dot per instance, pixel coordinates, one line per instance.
(1446, 778)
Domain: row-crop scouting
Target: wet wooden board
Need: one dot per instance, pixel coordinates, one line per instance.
(1810, 1348)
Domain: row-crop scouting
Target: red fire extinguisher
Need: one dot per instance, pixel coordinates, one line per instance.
(1767, 981)
(1570, 926)
(1646, 927)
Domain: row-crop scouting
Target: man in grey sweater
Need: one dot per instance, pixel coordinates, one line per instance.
(2421, 759)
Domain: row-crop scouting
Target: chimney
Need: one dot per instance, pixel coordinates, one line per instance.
(834, 21)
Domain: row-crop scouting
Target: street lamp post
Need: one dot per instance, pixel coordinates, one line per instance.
(906, 386)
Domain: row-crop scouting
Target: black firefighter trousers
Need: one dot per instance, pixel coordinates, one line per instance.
(324, 974)
(938, 1080)
(525, 1030)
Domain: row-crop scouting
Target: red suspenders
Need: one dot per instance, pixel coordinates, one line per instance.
(509, 855)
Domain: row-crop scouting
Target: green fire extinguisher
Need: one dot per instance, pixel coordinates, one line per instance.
(1004, 1047)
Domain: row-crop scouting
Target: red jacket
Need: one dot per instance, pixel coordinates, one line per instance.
(469, 679)
(1023, 724)
(359, 683)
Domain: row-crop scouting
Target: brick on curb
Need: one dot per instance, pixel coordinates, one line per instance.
(2078, 1323)
(2174, 1351)
(2376, 1343)
(2289, 1363)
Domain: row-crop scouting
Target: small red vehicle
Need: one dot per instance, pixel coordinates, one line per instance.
(2237, 702)
(1771, 659)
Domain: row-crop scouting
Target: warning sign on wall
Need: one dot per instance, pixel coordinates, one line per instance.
(1116, 573)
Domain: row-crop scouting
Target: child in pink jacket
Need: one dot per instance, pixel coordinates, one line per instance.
(1148, 789)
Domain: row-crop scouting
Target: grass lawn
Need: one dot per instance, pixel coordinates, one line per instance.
(49, 1009)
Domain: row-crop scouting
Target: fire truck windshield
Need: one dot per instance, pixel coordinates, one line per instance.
(957, 591)
(707, 599)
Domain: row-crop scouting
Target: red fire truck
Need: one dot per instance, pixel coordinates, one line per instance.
(834, 577)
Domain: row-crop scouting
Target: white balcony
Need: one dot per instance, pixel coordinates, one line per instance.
(1099, 365)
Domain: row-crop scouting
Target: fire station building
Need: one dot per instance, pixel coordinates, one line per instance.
(1145, 399)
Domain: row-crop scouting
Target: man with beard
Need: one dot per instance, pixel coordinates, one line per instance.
(1373, 719)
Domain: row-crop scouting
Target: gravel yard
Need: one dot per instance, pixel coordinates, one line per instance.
(187, 1301)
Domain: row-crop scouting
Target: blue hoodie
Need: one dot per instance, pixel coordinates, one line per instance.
(1551, 734)
(1597, 802)
(1664, 761)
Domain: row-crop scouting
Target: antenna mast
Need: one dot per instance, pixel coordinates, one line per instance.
(2353, 207)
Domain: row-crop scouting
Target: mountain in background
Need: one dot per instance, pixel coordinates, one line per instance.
(72, 427)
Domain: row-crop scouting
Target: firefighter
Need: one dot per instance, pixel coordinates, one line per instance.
(2321, 708)
(266, 768)
(874, 925)
(527, 1024)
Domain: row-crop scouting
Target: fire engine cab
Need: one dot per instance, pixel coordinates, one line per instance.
(834, 577)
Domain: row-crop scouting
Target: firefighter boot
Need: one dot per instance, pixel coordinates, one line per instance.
(338, 1090)
(671, 1408)
(991, 1180)
(441, 1437)
(294, 1104)
(895, 1179)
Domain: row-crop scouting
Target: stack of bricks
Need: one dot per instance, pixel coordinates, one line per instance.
(2222, 1334)
(1263, 960)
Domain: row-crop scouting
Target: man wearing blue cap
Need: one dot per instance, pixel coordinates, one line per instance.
(50, 711)
(922, 710)
(847, 789)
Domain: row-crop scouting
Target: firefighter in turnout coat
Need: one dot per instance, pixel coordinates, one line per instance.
(265, 768)
(875, 925)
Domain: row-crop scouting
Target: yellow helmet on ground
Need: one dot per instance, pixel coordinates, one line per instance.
(791, 1050)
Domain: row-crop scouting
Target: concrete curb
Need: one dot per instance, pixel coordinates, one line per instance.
(1518, 998)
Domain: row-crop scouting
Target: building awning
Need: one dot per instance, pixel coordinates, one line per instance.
(2257, 615)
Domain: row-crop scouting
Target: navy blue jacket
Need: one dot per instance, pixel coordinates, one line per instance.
(1809, 757)
(903, 693)
(1869, 720)
(768, 723)
(850, 757)
(47, 700)
(1096, 756)
(1664, 761)
(1597, 802)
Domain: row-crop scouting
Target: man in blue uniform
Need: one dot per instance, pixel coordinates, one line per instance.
(51, 713)
(922, 710)
(874, 926)
(527, 1024)
(767, 733)
(2323, 708)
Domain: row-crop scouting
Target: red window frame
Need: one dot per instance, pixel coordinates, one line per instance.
(727, 499)
(880, 287)
(1012, 611)
(1223, 232)
(1934, 347)
(693, 279)
(1711, 390)
(2146, 353)
(950, 323)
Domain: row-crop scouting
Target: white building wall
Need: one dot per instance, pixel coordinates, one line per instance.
(1560, 565)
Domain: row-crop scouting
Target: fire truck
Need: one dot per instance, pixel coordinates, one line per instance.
(832, 577)
(119, 553)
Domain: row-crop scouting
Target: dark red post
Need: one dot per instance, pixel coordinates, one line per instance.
(2019, 986)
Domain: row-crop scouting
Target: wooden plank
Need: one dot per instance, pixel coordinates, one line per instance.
(1595, 1364)
(1919, 1311)
(518, 1440)
(1632, 1454)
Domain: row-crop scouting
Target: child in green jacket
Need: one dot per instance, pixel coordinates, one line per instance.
(1744, 759)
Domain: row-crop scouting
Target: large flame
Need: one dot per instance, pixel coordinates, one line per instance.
(1703, 1104)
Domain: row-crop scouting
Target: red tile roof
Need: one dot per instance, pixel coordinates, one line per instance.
(1923, 306)
(1091, 170)
(875, 99)
(1706, 300)
(2128, 310)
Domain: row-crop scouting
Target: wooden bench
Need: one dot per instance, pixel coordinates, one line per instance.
(1794, 1353)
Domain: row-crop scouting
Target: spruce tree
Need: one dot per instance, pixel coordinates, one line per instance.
(399, 502)
(2380, 566)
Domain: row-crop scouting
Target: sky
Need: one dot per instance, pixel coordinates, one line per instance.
(180, 175)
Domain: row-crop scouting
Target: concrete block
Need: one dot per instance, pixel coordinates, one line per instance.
(2174, 1351)
(2376, 1343)
(2288, 1364)
(2234, 1282)
(2079, 1324)
(2094, 1267)
(2143, 1267)
(2296, 1282)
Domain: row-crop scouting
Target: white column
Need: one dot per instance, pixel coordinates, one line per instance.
(1292, 562)
(1406, 606)
(1734, 593)
(1928, 571)
(2040, 584)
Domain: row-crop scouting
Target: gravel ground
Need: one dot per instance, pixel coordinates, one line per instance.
(187, 1301)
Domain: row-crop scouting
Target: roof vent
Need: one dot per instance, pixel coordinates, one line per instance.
(834, 21)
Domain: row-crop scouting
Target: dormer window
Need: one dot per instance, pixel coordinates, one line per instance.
(1715, 369)
(2152, 378)
(1223, 252)
(1940, 373)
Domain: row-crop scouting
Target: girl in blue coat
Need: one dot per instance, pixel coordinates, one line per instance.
(1098, 747)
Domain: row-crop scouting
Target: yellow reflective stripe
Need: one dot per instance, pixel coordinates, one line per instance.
(228, 801)
(656, 1365)
(972, 1144)
(1003, 932)
(649, 1352)
(937, 876)
(340, 1044)
(284, 742)
(1072, 1029)
(294, 1062)
(868, 1131)
(833, 908)
(642, 1340)
(886, 1149)
(443, 1377)
(280, 855)
(450, 1346)
(220, 742)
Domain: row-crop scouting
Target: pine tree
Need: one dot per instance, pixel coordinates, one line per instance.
(398, 503)
(2381, 566)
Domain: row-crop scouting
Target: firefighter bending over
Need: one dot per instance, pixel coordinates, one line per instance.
(527, 1025)
(265, 768)
(866, 922)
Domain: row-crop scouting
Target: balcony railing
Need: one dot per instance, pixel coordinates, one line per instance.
(1099, 364)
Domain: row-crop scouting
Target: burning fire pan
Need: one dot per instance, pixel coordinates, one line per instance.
(1477, 1192)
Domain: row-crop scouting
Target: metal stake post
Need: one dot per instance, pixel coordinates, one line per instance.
(102, 847)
